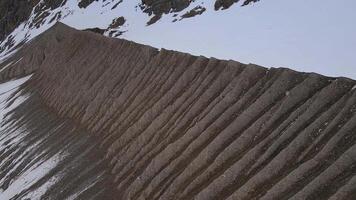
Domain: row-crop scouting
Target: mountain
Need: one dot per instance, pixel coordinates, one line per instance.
(22, 20)
(91, 117)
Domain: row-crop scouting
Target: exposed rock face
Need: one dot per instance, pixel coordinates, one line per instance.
(113, 28)
(85, 3)
(158, 7)
(118, 22)
(195, 11)
(12, 13)
(176, 126)
(225, 4)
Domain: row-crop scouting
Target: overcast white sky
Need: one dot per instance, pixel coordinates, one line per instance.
(306, 35)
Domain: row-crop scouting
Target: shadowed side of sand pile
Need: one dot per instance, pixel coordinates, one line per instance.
(45, 156)
(176, 126)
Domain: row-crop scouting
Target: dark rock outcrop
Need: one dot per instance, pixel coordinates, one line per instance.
(117, 22)
(195, 11)
(96, 30)
(12, 13)
(225, 4)
(176, 126)
(85, 3)
(157, 8)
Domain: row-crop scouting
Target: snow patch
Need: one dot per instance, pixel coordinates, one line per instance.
(7, 90)
(77, 194)
(10, 64)
(30, 177)
(6, 66)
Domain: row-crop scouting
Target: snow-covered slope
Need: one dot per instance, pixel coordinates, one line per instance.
(104, 15)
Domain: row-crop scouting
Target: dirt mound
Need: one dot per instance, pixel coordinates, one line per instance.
(176, 126)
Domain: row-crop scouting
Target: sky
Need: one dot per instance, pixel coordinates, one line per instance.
(305, 35)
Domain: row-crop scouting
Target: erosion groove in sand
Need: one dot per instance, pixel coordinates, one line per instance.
(176, 126)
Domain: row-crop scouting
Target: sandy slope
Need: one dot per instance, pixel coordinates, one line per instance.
(176, 126)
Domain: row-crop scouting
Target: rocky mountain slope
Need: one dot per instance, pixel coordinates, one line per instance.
(20, 21)
(104, 118)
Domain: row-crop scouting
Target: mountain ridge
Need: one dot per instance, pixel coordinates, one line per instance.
(59, 28)
(176, 126)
